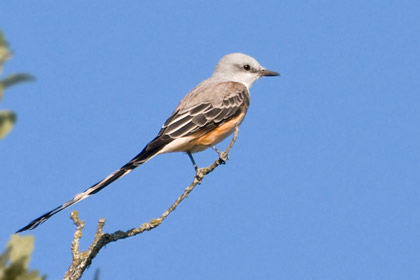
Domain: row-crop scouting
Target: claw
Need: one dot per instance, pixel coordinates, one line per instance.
(223, 157)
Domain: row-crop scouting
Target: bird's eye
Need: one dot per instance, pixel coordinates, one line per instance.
(247, 67)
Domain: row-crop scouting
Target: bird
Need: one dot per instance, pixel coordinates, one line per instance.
(208, 114)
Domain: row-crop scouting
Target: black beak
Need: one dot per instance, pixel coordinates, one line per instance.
(266, 73)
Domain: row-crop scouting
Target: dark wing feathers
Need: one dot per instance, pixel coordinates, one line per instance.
(183, 130)
(199, 120)
(205, 116)
(177, 124)
(213, 113)
(199, 109)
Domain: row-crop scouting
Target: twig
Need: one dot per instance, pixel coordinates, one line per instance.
(81, 260)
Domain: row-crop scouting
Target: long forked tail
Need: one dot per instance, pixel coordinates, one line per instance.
(141, 158)
(90, 191)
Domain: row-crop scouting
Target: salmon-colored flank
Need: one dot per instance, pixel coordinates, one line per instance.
(221, 132)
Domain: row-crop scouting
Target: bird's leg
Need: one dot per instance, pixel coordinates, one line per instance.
(193, 161)
(222, 155)
(199, 173)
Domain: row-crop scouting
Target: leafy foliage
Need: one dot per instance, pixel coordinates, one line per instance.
(8, 118)
(14, 262)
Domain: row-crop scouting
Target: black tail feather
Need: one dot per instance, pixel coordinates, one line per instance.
(146, 154)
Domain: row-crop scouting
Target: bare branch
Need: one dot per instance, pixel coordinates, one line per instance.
(81, 260)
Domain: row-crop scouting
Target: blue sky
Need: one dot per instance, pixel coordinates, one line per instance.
(323, 182)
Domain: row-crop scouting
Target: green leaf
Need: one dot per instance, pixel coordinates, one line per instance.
(3, 42)
(7, 120)
(15, 79)
(21, 249)
(14, 261)
(5, 53)
(4, 257)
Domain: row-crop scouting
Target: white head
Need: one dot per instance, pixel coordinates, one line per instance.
(240, 68)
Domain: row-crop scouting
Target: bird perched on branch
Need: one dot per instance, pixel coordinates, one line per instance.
(204, 117)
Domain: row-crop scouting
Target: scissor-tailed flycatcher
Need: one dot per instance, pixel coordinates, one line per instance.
(207, 115)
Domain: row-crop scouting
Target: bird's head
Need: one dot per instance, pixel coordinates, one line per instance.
(241, 68)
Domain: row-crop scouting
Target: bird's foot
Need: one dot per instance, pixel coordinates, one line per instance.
(200, 173)
(223, 156)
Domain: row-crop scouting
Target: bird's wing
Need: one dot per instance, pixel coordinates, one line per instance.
(201, 113)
